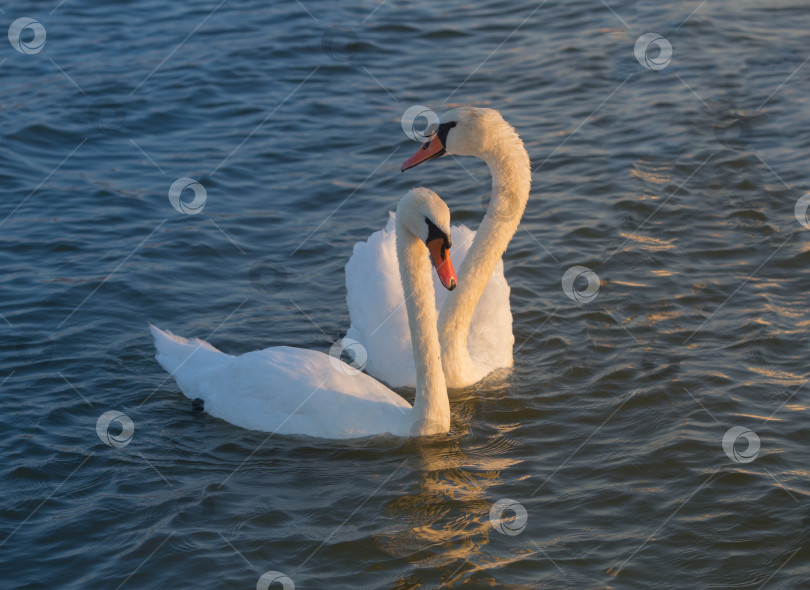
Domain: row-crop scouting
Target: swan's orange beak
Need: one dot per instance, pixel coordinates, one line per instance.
(432, 148)
(440, 256)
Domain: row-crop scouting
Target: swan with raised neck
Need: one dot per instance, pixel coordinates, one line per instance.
(288, 390)
(482, 133)
(423, 207)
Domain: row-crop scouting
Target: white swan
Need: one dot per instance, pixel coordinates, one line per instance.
(295, 391)
(475, 321)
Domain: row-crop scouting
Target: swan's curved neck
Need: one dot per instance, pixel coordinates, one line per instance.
(431, 406)
(511, 181)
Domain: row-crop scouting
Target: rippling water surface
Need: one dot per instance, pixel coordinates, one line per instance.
(675, 183)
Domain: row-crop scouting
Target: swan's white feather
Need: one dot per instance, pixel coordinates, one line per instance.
(380, 323)
(282, 389)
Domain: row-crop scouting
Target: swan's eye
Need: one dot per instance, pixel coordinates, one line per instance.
(443, 130)
(435, 233)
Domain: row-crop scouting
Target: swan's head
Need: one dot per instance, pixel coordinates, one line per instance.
(465, 131)
(423, 213)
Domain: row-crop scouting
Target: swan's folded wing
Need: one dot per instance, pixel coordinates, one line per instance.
(296, 391)
(379, 320)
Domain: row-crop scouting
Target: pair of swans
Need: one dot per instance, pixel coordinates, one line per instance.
(295, 391)
(475, 323)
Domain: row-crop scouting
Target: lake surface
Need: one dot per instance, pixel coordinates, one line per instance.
(673, 177)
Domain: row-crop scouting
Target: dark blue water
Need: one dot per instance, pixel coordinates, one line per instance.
(673, 178)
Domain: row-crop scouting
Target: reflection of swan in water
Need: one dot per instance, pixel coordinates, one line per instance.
(442, 526)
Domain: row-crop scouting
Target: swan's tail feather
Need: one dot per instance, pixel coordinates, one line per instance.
(183, 357)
